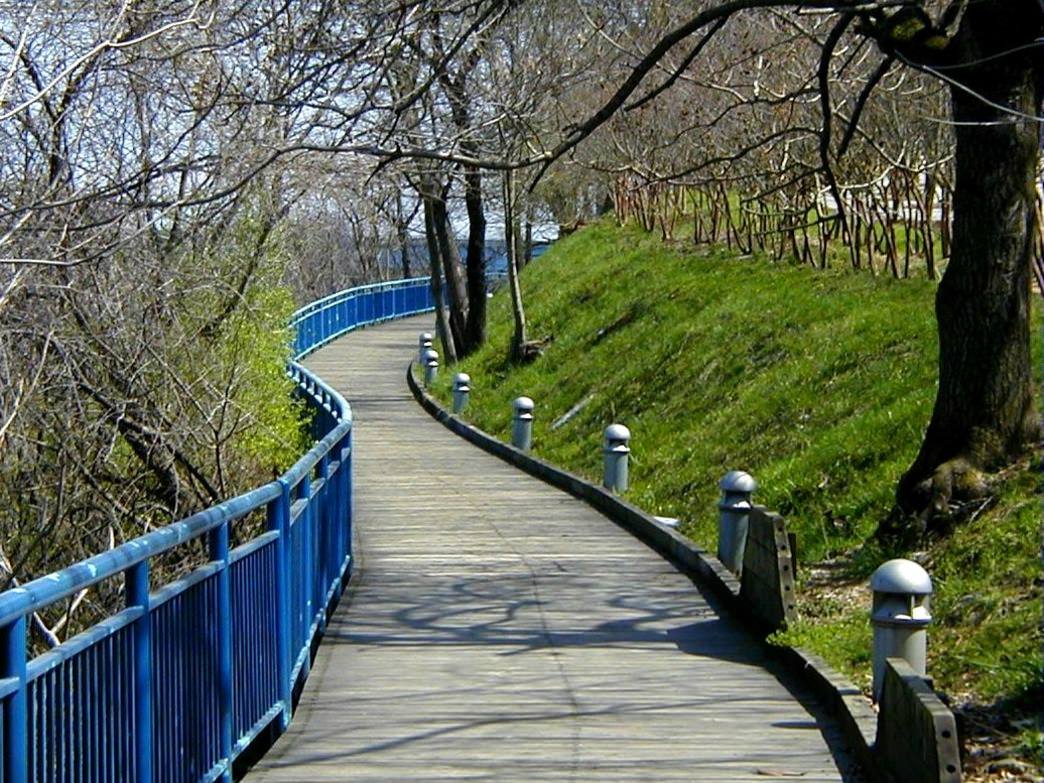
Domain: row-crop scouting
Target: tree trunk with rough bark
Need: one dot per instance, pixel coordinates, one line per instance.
(456, 293)
(449, 348)
(984, 416)
(402, 233)
(475, 329)
(518, 337)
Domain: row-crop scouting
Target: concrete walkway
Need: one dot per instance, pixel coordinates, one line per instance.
(499, 630)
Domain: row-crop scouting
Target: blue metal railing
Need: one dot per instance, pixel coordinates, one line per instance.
(328, 318)
(176, 685)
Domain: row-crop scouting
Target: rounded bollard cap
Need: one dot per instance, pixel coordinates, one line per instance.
(461, 379)
(617, 432)
(425, 337)
(522, 405)
(431, 356)
(738, 481)
(901, 576)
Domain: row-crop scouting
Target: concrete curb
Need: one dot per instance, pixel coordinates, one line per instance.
(844, 701)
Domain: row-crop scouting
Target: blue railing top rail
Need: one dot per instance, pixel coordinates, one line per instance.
(46, 590)
(322, 304)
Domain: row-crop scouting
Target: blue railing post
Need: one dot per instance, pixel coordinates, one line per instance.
(322, 536)
(279, 520)
(349, 511)
(219, 554)
(16, 705)
(137, 591)
(306, 519)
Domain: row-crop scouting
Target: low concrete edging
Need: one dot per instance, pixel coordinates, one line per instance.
(841, 698)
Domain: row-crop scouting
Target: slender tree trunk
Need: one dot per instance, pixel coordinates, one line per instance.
(984, 416)
(449, 347)
(475, 329)
(516, 230)
(403, 235)
(518, 337)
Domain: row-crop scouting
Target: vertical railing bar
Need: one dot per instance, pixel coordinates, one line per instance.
(219, 554)
(69, 709)
(240, 579)
(174, 689)
(39, 717)
(118, 770)
(97, 751)
(82, 739)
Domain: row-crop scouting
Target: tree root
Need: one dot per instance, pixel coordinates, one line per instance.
(531, 350)
(956, 492)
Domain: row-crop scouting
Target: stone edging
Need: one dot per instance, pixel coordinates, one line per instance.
(843, 699)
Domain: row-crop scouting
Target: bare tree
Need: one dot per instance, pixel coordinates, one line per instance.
(986, 54)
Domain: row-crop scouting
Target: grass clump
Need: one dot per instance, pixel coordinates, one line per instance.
(820, 384)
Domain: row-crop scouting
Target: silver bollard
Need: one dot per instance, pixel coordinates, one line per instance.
(431, 366)
(616, 452)
(461, 390)
(733, 512)
(522, 426)
(424, 343)
(900, 616)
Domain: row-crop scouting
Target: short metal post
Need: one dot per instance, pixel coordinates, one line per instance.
(424, 343)
(733, 511)
(900, 617)
(461, 390)
(522, 423)
(431, 366)
(616, 452)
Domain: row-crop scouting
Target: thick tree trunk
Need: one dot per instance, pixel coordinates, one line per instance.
(449, 348)
(984, 416)
(456, 294)
(475, 330)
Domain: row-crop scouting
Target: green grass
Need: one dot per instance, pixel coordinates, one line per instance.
(818, 383)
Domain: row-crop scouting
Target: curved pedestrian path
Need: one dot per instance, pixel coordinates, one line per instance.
(499, 630)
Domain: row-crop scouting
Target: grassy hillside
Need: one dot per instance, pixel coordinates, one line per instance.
(817, 383)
